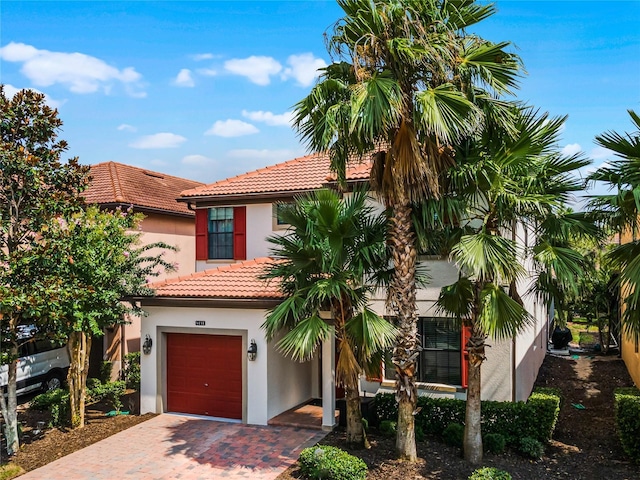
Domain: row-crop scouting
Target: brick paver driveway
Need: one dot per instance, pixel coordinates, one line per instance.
(182, 447)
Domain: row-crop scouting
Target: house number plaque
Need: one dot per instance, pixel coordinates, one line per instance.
(200, 323)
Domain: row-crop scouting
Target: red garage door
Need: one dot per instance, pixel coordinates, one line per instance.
(204, 375)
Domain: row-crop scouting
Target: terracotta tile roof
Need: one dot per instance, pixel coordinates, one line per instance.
(236, 281)
(300, 174)
(124, 184)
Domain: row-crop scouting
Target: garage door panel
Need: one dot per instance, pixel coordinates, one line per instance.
(204, 374)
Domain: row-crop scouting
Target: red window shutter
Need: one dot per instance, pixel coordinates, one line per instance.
(239, 233)
(464, 353)
(202, 232)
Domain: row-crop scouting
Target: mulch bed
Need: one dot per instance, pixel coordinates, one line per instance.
(585, 444)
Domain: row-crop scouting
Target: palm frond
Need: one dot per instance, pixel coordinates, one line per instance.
(302, 340)
(501, 317)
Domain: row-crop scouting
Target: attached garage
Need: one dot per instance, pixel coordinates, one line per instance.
(204, 374)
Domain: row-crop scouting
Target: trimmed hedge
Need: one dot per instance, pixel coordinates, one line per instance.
(513, 420)
(331, 463)
(627, 404)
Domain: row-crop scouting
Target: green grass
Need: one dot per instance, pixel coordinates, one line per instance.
(10, 470)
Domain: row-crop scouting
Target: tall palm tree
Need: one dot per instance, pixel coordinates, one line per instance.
(331, 248)
(404, 86)
(508, 181)
(620, 211)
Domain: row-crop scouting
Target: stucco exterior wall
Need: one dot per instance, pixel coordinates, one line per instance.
(257, 403)
(289, 382)
(172, 230)
(176, 231)
(631, 357)
(629, 349)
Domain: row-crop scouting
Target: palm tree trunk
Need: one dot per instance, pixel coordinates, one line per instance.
(79, 346)
(356, 436)
(9, 407)
(402, 297)
(473, 414)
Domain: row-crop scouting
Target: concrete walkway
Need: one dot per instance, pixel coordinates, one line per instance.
(181, 447)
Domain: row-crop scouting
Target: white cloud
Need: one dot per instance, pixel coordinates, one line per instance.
(202, 56)
(78, 72)
(571, 149)
(159, 140)
(197, 160)
(283, 119)
(125, 127)
(207, 72)
(600, 153)
(10, 91)
(303, 68)
(184, 79)
(231, 128)
(257, 69)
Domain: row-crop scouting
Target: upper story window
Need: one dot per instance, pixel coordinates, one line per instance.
(221, 233)
(278, 222)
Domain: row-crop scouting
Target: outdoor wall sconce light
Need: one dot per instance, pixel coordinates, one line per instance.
(252, 352)
(146, 346)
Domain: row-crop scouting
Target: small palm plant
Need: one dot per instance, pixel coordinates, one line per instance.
(322, 263)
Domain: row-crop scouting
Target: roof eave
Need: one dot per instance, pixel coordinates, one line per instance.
(260, 197)
(142, 209)
(206, 302)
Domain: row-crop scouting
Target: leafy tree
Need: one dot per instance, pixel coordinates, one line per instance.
(331, 248)
(35, 186)
(620, 211)
(405, 86)
(508, 180)
(94, 259)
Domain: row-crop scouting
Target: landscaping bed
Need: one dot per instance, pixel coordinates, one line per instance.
(585, 444)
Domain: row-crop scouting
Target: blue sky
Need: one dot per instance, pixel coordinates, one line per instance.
(204, 89)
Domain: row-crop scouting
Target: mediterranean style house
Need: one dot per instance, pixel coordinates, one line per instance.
(115, 185)
(207, 352)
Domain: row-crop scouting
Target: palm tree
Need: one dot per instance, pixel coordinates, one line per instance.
(405, 86)
(323, 260)
(508, 181)
(620, 211)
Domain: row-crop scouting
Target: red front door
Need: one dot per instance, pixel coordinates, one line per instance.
(204, 374)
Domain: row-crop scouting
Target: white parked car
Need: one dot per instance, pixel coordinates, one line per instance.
(42, 365)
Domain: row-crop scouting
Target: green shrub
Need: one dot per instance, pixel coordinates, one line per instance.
(453, 435)
(106, 368)
(531, 447)
(489, 473)
(494, 443)
(536, 418)
(56, 402)
(627, 405)
(131, 371)
(111, 392)
(420, 436)
(331, 463)
(365, 424)
(388, 427)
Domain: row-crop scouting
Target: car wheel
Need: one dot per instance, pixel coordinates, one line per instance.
(53, 382)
